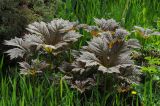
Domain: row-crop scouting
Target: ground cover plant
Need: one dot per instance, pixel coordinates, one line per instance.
(106, 57)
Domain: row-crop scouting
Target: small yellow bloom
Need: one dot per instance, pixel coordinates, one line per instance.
(110, 45)
(48, 48)
(95, 33)
(142, 34)
(123, 89)
(133, 92)
(114, 42)
(119, 40)
(33, 71)
(71, 29)
(112, 32)
(28, 72)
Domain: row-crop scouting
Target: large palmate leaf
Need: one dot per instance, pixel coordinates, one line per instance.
(59, 33)
(57, 36)
(83, 85)
(108, 51)
(21, 47)
(145, 32)
(107, 25)
(103, 25)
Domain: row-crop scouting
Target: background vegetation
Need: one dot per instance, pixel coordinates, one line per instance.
(19, 90)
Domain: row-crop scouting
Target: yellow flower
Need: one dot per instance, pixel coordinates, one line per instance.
(112, 32)
(112, 43)
(133, 92)
(71, 29)
(48, 48)
(95, 33)
(32, 71)
(123, 89)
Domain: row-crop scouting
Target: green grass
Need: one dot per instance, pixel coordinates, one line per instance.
(128, 12)
(21, 91)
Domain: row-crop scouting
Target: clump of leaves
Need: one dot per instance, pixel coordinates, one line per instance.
(152, 69)
(103, 25)
(35, 67)
(145, 32)
(46, 38)
(153, 48)
(106, 58)
(149, 89)
(20, 49)
(149, 60)
(57, 35)
(145, 35)
(149, 39)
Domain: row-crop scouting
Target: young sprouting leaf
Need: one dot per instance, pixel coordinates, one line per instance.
(36, 66)
(145, 32)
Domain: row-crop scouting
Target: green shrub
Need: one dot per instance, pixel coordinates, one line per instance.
(15, 15)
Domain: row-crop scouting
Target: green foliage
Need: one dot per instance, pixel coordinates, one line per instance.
(129, 12)
(149, 59)
(16, 14)
(46, 9)
(20, 91)
(11, 21)
(149, 90)
(153, 61)
(149, 40)
(152, 70)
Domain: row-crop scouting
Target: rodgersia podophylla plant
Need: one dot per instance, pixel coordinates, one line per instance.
(55, 36)
(106, 58)
(145, 32)
(149, 40)
(21, 48)
(45, 38)
(103, 25)
(36, 66)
